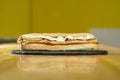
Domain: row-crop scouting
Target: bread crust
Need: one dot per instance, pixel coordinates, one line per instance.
(89, 46)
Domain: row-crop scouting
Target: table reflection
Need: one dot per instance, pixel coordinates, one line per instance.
(57, 63)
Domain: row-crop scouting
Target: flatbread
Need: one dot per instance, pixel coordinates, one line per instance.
(58, 41)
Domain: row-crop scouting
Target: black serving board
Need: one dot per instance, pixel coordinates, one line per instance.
(60, 52)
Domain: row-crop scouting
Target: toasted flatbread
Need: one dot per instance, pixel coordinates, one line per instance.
(58, 41)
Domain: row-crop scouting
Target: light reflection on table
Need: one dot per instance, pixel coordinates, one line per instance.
(39, 63)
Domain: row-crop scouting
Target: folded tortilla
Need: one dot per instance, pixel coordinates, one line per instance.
(58, 41)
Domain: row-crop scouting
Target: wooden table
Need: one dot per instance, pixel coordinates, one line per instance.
(102, 67)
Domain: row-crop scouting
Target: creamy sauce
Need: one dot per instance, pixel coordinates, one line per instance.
(80, 36)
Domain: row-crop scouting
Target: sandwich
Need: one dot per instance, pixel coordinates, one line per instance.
(58, 41)
(60, 45)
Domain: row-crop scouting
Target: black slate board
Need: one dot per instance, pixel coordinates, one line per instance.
(60, 52)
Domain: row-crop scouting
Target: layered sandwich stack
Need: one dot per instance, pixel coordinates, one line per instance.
(58, 41)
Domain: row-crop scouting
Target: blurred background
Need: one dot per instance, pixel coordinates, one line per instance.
(100, 17)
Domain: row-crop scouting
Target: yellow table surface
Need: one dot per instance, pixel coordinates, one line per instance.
(102, 67)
